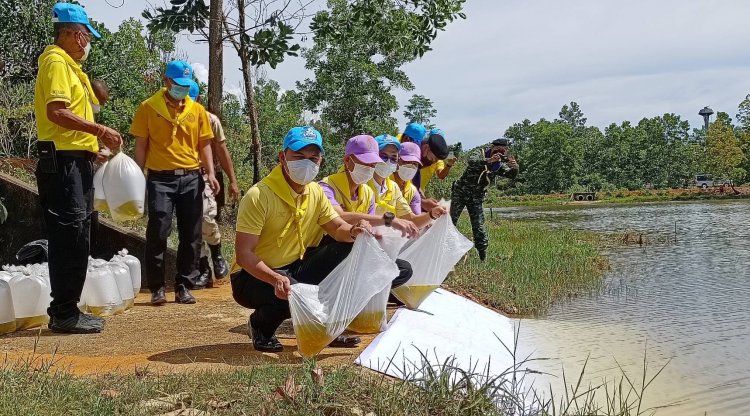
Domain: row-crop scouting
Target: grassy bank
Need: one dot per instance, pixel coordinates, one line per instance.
(617, 197)
(529, 266)
(33, 388)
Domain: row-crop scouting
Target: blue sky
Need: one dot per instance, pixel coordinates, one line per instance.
(516, 59)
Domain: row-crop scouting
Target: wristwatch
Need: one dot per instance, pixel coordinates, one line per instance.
(388, 218)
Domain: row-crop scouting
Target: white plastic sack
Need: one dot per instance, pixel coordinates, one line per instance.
(7, 313)
(432, 257)
(374, 318)
(30, 300)
(121, 272)
(100, 200)
(134, 265)
(100, 292)
(321, 313)
(125, 188)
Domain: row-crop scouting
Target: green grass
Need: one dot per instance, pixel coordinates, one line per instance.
(37, 388)
(529, 266)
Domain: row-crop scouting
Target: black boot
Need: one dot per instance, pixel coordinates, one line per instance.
(183, 295)
(204, 278)
(482, 253)
(221, 269)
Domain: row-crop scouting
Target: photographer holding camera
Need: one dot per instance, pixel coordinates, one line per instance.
(484, 165)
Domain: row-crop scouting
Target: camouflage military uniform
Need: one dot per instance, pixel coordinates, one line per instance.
(469, 191)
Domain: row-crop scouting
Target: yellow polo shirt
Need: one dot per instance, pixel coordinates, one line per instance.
(426, 173)
(171, 147)
(56, 81)
(392, 200)
(265, 214)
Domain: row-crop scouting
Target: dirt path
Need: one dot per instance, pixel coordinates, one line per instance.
(211, 335)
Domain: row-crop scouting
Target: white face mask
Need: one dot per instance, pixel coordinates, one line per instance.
(86, 51)
(302, 171)
(385, 169)
(361, 173)
(96, 107)
(407, 172)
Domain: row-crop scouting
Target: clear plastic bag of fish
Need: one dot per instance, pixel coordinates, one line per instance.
(374, 318)
(432, 256)
(124, 187)
(321, 313)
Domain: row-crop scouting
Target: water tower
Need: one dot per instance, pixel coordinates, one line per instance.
(706, 113)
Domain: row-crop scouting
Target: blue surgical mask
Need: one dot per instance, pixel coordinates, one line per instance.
(178, 92)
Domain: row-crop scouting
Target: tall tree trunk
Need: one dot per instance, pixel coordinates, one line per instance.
(215, 58)
(250, 105)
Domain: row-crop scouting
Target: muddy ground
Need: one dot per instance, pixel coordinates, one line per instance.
(209, 335)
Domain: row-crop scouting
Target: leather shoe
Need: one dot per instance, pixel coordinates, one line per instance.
(221, 268)
(183, 295)
(158, 297)
(263, 343)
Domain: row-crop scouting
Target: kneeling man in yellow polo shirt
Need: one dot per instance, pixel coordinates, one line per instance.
(173, 139)
(67, 147)
(278, 219)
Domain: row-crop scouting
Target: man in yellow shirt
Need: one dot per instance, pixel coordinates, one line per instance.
(278, 220)
(67, 148)
(173, 141)
(435, 163)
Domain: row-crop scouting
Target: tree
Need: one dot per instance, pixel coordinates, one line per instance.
(129, 84)
(261, 32)
(573, 116)
(743, 114)
(356, 59)
(25, 32)
(549, 160)
(420, 110)
(723, 153)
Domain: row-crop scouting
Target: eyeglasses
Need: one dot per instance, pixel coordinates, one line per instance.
(386, 158)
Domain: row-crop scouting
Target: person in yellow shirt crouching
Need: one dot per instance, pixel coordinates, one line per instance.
(354, 200)
(67, 148)
(388, 195)
(278, 221)
(173, 141)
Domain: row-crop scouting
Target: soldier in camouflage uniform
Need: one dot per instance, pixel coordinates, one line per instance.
(484, 165)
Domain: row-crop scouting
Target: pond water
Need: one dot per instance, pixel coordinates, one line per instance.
(685, 301)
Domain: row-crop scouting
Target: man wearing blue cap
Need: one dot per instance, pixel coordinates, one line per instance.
(173, 141)
(279, 218)
(67, 147)
(211, 231)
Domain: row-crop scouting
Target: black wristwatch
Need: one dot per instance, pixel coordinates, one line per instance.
(388, 218)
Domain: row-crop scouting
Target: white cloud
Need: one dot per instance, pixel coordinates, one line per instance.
(200, 71)
(511, 60)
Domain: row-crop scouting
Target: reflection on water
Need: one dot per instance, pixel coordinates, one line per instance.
(688, 302)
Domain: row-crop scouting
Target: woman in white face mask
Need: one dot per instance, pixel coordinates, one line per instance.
(410, 159)
(389, 197)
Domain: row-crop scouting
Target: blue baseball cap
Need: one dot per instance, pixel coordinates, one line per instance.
(299, 137)
(72, 13)
(180, 72)
(416, 132)
(386, 139)
(437, 131)
(195, 90)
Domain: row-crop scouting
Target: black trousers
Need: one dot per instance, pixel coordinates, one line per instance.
(271, 311)
(67, 199)
(170, 195)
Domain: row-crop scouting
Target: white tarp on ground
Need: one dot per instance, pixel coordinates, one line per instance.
(446, 327)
